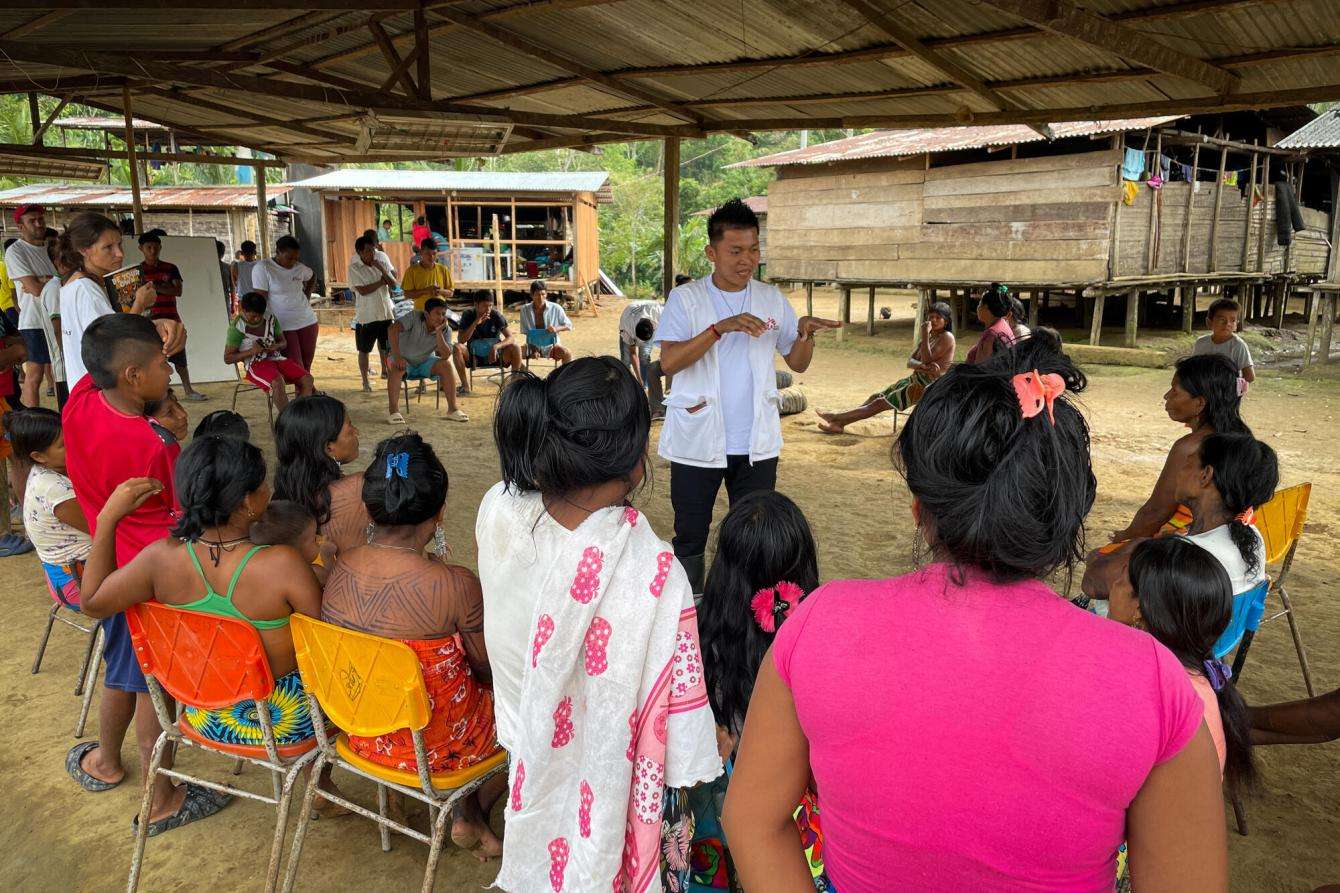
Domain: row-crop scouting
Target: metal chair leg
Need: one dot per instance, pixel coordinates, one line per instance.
(304, 820)
(1297, 642)
(1240, 814)
(435, 848)
(146, 803)
(237, 765)
(90, 681)
(381, 811)
(281, 825)
(88, 656)
(42, 645)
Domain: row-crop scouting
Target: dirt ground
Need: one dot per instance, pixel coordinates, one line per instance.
(58, 837)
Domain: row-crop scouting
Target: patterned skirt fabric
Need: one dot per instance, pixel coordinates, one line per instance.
(906, 391)
(63, 582)
(239, 724)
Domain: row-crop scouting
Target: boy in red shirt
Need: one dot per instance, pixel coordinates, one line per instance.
(110, 436)
(166, 280)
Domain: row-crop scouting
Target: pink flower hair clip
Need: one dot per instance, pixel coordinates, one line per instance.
(774, 604)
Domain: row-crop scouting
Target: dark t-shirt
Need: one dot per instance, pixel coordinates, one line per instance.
(489, 330)
(165, 306)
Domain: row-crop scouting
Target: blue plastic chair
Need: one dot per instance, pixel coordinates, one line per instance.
(478, 356)
(541, 340)
(1248, 609)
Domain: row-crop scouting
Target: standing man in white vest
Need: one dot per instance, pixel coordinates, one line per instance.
(718, 335)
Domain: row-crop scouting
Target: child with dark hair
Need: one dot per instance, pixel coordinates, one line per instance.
(390, 587)
(592, 636)
(52, 517)
(225, 423)
(765, 565)
(901, 726)
(931, 359)
(255, 340)
(1222, 320)
(313, 438)
(995, 307)
(286, 523)
(1205, 397)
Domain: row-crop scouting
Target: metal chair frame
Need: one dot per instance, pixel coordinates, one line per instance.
(87, 678)
(283, 775)
(243, 386)
(499, 368)
(1277, 586)
(526, 357)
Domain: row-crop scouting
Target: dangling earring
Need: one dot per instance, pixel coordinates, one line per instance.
(369, 531)
(440, 547)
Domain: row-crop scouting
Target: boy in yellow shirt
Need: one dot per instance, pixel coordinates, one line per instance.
(426, 278)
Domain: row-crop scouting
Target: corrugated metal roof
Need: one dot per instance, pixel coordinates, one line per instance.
(62, 195)
(1322, 133)
(897, 143)
(455, 181)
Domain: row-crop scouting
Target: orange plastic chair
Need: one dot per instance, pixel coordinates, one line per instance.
(210, 662)
(368, 686)
(1281, 523)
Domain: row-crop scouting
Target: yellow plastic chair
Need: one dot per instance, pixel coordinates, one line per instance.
(367, 686)
(1281, 523)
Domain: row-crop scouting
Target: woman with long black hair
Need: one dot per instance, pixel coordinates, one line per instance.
(313, 438)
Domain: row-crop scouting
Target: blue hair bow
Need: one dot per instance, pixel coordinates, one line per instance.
(397, 463)
(1218, 673)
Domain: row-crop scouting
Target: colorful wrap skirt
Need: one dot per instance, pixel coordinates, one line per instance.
(239, 724)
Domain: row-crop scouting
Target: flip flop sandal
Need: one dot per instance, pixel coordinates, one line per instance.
(86, 781)
(200, 803)
(13, 544)
(197, 397)
(394, 419)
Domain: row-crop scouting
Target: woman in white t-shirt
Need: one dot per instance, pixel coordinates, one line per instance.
(91, 246)
(1222, 483)
(51, 515)
(285, 281)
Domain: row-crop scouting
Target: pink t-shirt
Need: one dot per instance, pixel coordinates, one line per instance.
(1213, 721)
(983, 737)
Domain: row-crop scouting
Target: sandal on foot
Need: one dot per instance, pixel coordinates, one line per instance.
(200, 803)
(395, 418)
(74, 758)
(12, 544)
(196, 397)
(456, 416)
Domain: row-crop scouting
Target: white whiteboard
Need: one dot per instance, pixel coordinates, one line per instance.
(201, 304)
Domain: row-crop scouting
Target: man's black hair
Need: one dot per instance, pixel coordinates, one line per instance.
(734, 214)
(287, 243)
(364, 242)
(682, 279)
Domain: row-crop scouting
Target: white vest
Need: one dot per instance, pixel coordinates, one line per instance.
(699, 438)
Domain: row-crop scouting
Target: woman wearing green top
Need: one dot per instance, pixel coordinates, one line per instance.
(210, 565)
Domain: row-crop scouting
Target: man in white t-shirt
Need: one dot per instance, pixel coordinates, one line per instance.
(542, 320)
(382, 258)
(371, 284)
(286, 281)
(30, 268)
(718, 337)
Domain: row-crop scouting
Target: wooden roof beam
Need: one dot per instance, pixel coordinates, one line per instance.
(33, 25)
(515, 41)
(97, 155)
(1067, 20)
(238, 110)
(399, 69)
(61, 85)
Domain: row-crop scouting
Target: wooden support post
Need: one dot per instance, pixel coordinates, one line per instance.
(809, 298)
(846, 304)
(497, 265)
(1114, 249)
(422, 57)
(1190, 205)
(1188, 295)
(262, 215)
(1218, 203)
(1247, 226)
(1155, 213)
(1132, 317)
(924, 298)
(1096, 326)
(136, 208)
(1312, 309)
(1281, 302)
(870, 314)
(1327, 325)
(1033, 309)
(190, 222)
(1265, 210)
(670, 243)
(35, 115)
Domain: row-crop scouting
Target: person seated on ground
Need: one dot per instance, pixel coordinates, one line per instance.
(485, 338)
(1222, 320)
(167, 282)
(545, 316)
(286, 523)
(637, 328)
(313, 438)
(426, 278)
(996, 457)
(51, 515)
(420, 349)
(256, 340)
(225, 423)
(1220, 485)
(765, 565)
(1204, 396)
(931, 359)
(209, 565)
(994, 308)
(592, 636)
(389, 587)
(371, 284)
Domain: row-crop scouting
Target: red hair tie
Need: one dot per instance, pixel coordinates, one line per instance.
(1036, 390)
(1246, 516)
(774, 604)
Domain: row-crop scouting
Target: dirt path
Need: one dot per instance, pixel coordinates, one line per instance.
(61, 838)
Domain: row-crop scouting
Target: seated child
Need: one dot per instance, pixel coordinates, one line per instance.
(287, 523)
(225, 423)
(51, 515)
(765, 565)
(255, 339)
(1222, 319)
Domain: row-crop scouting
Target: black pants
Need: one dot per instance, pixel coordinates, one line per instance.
(693, 493)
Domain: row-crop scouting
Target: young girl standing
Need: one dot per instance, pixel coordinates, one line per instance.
(51, 515)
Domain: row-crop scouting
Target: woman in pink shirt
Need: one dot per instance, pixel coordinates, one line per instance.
(993, 311)
(948, 717)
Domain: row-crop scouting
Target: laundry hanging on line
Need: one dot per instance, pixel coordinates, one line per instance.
(1129, 189)
(1134, 165)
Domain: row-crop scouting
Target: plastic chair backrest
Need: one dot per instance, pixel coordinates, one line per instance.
(200, 659)
(365, 684)
(532, 270)
(540, 338)
(1281, 520)
(480, 347)
(1248, 608)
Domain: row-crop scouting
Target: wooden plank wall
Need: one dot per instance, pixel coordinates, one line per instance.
(346, 219)
(586, 251)
(1028, 219)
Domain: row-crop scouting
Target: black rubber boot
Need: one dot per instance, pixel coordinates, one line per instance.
(695, 567)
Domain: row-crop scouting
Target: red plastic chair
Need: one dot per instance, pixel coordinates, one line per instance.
(210, 663)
